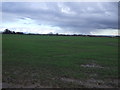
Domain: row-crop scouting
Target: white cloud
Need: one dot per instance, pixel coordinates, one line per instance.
(105, 32)
(65, 9)
(42, 29)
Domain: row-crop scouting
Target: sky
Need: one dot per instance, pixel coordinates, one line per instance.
(93, 18)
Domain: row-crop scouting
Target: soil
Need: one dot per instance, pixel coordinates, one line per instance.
(91, 66)
(92, 83)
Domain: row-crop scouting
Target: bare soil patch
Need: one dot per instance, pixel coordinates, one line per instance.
(11, 85)
(90, 83)
(93, 65)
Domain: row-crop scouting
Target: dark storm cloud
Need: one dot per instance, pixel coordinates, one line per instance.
(72, 16)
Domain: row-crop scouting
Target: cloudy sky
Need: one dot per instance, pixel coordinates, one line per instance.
(96, 18)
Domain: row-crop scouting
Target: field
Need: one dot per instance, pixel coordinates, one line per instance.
(59, 61)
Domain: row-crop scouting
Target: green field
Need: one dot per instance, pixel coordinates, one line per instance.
(59, 61)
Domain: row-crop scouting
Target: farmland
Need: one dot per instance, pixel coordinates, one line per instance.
(59, 61)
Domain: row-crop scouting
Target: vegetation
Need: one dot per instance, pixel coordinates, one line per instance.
(60, 61)
(7, 31)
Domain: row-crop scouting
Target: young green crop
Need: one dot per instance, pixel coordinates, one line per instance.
(47, 59)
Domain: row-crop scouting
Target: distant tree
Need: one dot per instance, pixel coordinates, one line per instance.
(19, 33)
(13, 32)
(74, 34)
(57, 34)
(50, 33)
(7, 31)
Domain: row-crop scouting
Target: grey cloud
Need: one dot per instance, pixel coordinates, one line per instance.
(87, 15)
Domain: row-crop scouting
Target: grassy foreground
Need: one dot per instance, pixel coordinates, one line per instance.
(59, 61)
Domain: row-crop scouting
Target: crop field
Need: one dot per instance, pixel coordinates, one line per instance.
(34, 61)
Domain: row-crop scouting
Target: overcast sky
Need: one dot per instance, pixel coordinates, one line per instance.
(96, 18)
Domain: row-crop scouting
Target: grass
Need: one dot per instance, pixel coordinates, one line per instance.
(47, 59)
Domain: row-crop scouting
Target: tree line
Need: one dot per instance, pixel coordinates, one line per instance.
(7, 31)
